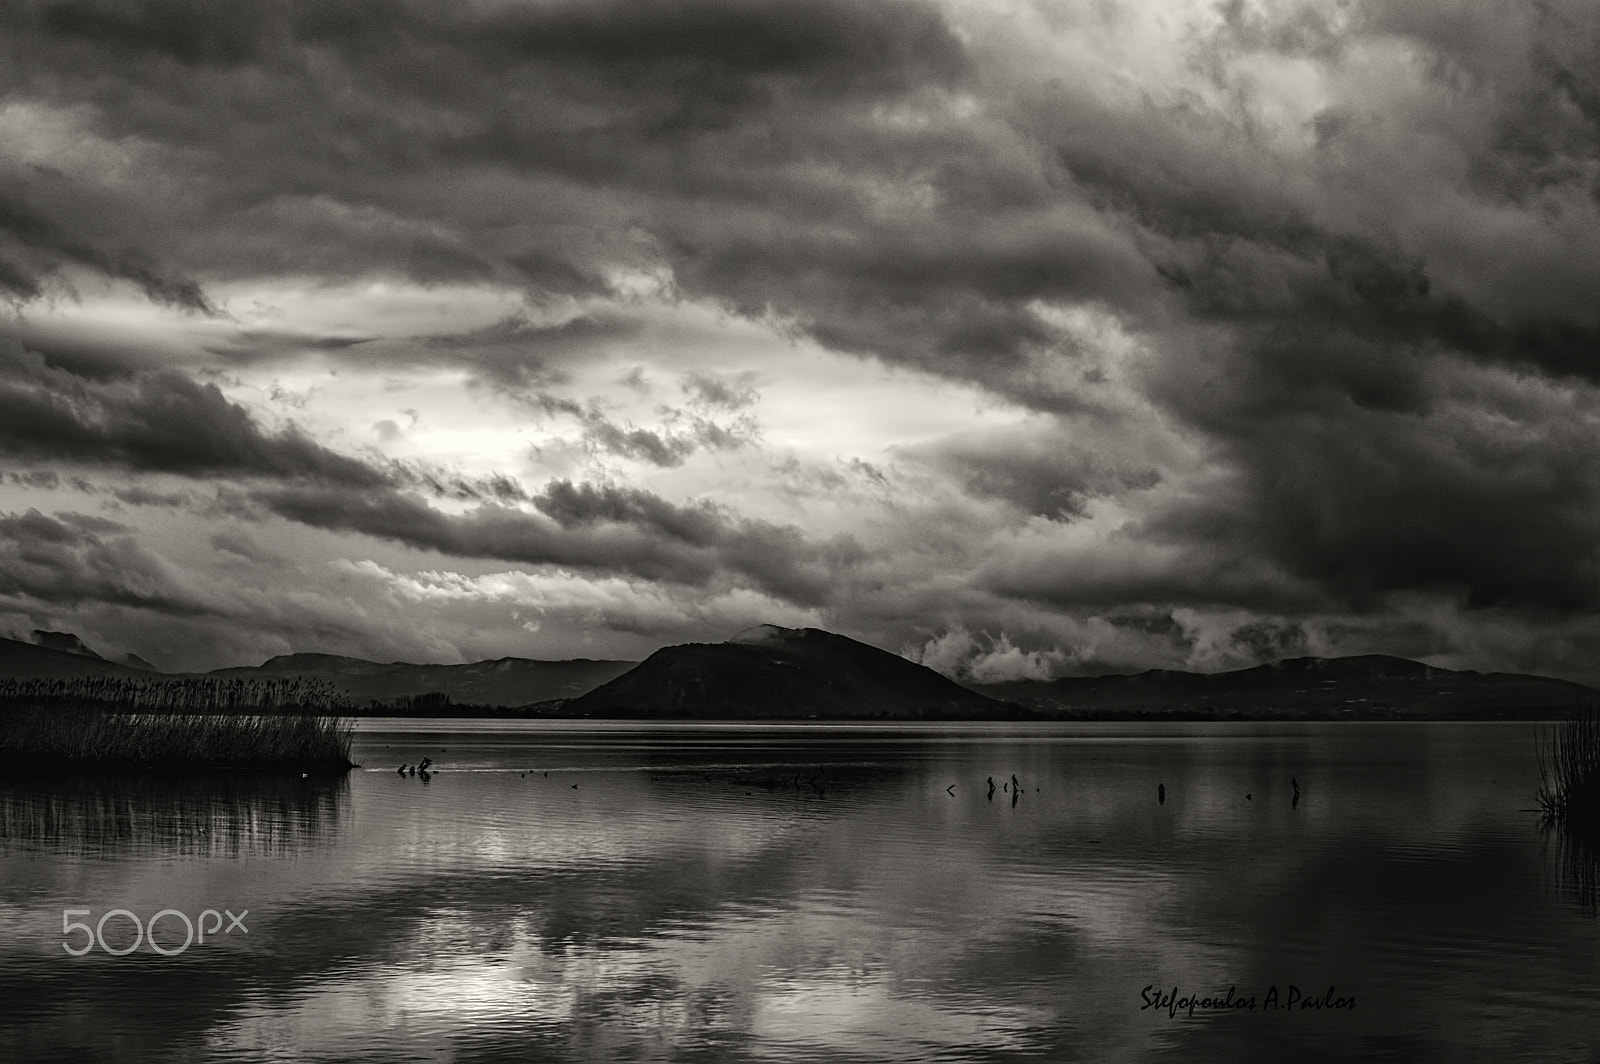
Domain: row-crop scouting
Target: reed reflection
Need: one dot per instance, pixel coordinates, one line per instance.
(222, 814)
(1573, 858)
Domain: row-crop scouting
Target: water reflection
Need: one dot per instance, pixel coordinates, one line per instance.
(697, 896)
(1575, 862)
(221, 814)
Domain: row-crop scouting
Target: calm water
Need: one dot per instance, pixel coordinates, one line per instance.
(628, 892)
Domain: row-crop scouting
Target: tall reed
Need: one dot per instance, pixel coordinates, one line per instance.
(196, 722)
(194, 694)
(1569, 774)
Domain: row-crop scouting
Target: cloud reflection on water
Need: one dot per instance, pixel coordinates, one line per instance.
(655, 914)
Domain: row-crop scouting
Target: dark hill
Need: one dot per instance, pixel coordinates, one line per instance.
(1363, 687)
(28, 661)
(772, 672)
(63, 641)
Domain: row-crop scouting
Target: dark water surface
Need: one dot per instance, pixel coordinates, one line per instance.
(813, 893)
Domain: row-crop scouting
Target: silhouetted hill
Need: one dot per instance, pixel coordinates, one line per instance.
(66, 642)
(1361, 687)
(772, 672)
(29, 661)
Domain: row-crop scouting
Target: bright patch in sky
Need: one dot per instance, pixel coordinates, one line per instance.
(1023, 337)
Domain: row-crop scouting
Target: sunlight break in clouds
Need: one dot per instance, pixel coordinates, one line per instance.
(1037, 338)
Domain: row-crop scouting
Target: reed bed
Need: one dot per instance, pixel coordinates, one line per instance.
(194, 694)
(1569, 774)
(173, 723)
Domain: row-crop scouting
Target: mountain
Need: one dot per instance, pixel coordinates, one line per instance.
(30, 661)
(65, 642)
(1361, 687)
(772, 672)
(505, 682)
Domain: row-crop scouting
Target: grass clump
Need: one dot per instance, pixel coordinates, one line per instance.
(173, 724)
(1569, 774)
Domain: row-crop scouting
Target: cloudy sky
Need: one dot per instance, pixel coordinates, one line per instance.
(1024, 338)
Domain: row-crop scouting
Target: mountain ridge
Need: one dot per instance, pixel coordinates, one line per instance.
(30, 661)
(496, 683)
(767, 671)
(1361, 686)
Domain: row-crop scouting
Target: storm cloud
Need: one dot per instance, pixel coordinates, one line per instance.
(605, 530)
(160, 421)
(1169, 334)
(72, 559)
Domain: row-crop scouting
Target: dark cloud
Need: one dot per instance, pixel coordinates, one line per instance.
(154, 422)
(1373, 327)
(75, 559)
(954, 295)
(1043, 472)
(712, 392)
(681, 435)
(445, 484)
(50, 480)
(744, 145)
(1491, 498)
(45, 479)
(94, 576)
(333, 109)
(1267, 641)
(142, 496)
(604, 530)
(515, 354)
(239, 542)
(825, 40)
(587, 506)
(1109, 578)
(36, 240)
(651, 447)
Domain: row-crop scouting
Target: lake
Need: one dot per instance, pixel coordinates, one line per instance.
(579, 891)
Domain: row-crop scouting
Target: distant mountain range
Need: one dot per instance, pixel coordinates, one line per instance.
(67, 643)
(507, 682)
(502, 683)
(1371, 686)
(31, 661)
(769, 672)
